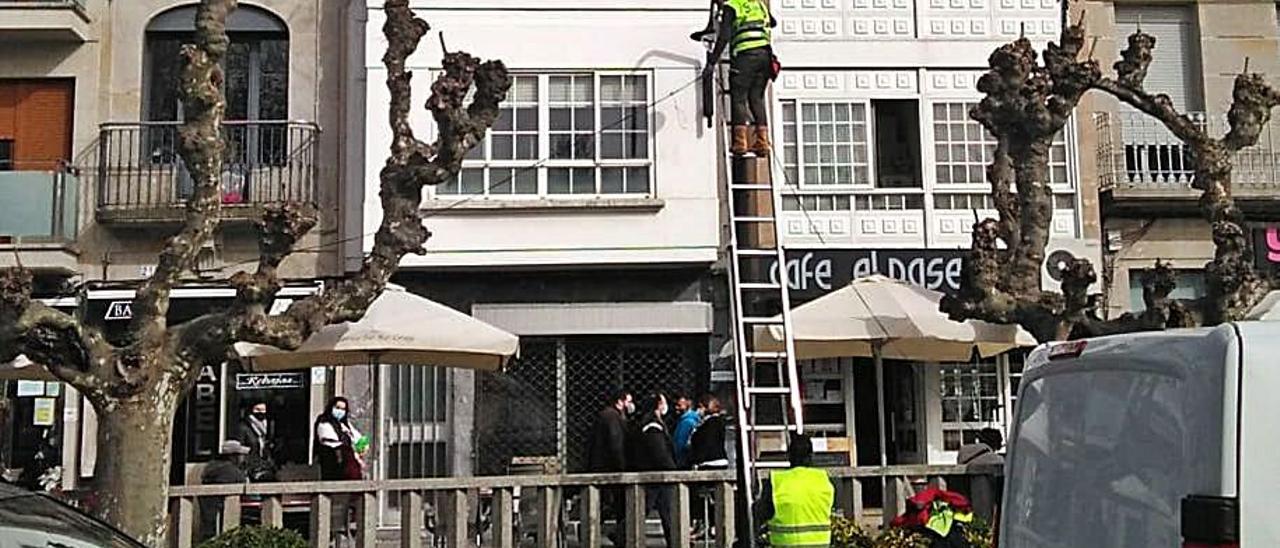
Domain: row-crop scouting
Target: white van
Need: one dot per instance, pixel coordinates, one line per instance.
(1160, 439)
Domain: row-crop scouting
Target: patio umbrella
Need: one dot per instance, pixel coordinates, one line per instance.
(878, 317)
(399, 328)
(23, 369)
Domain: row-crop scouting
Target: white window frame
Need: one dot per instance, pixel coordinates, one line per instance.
(868, 122)
(544, 163)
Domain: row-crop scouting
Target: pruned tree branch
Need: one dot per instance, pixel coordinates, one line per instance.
(201, 147)
(1026, 104)
(70, 350)
(411, 165)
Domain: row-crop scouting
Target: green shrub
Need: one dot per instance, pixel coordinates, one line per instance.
(256, 537)
(846, 533)
(979, 534)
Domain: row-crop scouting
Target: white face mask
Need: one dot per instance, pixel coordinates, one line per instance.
(630, 408)
(339, 414)
(662, 410)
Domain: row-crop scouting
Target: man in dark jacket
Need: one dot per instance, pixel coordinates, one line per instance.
(707, 446)
(652, 451)
(608, 454)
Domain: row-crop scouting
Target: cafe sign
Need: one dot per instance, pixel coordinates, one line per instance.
(269, 381)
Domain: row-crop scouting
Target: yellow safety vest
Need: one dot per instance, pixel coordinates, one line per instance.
(802, 499)
(751, 25)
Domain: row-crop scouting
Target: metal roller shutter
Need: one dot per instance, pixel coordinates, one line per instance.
(1176, 67)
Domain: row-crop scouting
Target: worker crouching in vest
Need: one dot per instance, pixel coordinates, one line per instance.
(940, 516)
(746, 28)
(797, 502)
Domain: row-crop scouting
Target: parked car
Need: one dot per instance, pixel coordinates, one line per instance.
(1160, 439)
(33, 519)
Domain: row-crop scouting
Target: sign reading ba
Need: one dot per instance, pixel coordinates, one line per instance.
(813, 273)
(119, 310)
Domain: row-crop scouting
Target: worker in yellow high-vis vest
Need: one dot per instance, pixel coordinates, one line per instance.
(797, 502)
(745, 26)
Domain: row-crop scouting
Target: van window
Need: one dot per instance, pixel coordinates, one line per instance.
(33, 520)
(1100, 460)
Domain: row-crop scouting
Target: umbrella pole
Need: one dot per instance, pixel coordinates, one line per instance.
(375, 445)
(878, 358)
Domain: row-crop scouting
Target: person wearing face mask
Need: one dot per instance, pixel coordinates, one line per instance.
(653, 451)
(608, 455)
(258, 433)
(337, 441)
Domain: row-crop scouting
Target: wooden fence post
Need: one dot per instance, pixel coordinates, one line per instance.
(185, 512)
(458, 512)
(635, 516)
(366, 518)
(504, 525)
(411, 519)
(230, 512)
(272, 512)
(681, 521)
(591, 517)
(726, 530)
(321, 519)
(548, 515)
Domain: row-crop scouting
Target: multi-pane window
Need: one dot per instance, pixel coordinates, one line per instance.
(847, 202)
(963, 148)
(825, 143)
(972, 399)
(565, 134)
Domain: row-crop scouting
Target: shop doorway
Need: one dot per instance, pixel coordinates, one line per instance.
(288, 399)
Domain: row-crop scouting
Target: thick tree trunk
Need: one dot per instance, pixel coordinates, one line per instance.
(132, 474)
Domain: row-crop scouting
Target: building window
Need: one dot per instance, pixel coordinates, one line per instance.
(972, 399)
(855, 202)
(825, 144)
(963, 149)
(973, 201)
(6, 154)
(1191, 285)
(581, 134)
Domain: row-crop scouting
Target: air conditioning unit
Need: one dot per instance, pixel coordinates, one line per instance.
(1060, 251)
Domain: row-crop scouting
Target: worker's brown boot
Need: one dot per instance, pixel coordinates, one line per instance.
(762, 147)
(741, 140)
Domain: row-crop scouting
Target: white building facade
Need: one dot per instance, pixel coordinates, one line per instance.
(590, 222)
(587, 223)
(885, 174)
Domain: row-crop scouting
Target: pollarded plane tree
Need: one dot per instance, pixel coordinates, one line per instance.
(136, 387)
(1027, 101)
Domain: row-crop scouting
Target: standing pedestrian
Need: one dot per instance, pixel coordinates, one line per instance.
(707, 449)
(652, 451)
(689, 421)
(336, 443)
(608, 455)
(226, 468)
(258, 433)
(746, 25)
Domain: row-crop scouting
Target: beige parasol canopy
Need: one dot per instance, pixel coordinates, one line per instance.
(902, 319)
(399, 328)
(23, 369)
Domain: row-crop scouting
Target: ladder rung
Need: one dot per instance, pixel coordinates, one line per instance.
(757, 252)
(748, 186)
(762, 321)
(769, 390)
(759, 285)
(772, 355)
(749, 219)
(771, 464)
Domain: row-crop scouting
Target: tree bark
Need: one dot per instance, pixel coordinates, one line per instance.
(137, 387)
(132, 475)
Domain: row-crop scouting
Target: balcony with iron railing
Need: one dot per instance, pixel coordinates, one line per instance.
(1141, 163)
(142, 179)
(39, 204)
(44, 20)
